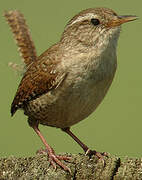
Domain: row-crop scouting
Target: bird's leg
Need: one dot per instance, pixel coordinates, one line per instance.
(88, 151)
(53, 158)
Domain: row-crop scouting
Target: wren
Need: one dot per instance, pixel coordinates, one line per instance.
(66, 83)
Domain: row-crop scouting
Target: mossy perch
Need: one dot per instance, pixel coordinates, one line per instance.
(45, 75)
(82, 168)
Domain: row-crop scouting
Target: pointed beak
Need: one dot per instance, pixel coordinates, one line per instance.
(120, 20)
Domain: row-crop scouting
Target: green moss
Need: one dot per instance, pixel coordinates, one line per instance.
(82, 168)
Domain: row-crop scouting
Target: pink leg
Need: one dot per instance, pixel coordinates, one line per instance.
(53, 158)
(84, 147)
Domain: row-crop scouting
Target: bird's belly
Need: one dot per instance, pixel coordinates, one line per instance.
(65, 107)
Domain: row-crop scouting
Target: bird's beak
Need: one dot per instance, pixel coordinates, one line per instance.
(120, 20)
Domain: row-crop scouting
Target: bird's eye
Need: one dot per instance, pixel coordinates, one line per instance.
(95, 22)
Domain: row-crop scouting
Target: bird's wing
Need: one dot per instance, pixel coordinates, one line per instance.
(41, 77)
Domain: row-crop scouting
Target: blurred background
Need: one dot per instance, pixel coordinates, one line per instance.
(116, 126)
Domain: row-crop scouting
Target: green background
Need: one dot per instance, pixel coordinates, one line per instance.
(116, 125)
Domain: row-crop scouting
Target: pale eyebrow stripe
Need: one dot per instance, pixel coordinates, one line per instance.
(81, 18)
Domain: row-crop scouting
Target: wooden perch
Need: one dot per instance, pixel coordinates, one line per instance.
(82, 168)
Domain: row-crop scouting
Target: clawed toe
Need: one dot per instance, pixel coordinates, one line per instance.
(65, 158)
(55, 159)
(90, 152)
(98, 154)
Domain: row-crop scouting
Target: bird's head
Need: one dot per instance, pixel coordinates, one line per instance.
(94, 26)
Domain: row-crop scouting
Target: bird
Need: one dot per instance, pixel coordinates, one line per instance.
(67, 82)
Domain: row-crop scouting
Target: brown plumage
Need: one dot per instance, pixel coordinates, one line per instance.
(68, 81)
(22, 35)
(40, 77)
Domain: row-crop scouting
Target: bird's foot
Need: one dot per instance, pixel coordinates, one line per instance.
(55, 159)
(90, 153)
(101, 156)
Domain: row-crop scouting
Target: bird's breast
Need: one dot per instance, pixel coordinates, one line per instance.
(80, 94)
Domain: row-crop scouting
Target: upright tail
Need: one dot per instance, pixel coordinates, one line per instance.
(22, 36)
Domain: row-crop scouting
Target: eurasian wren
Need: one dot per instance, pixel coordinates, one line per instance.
(66, 83)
